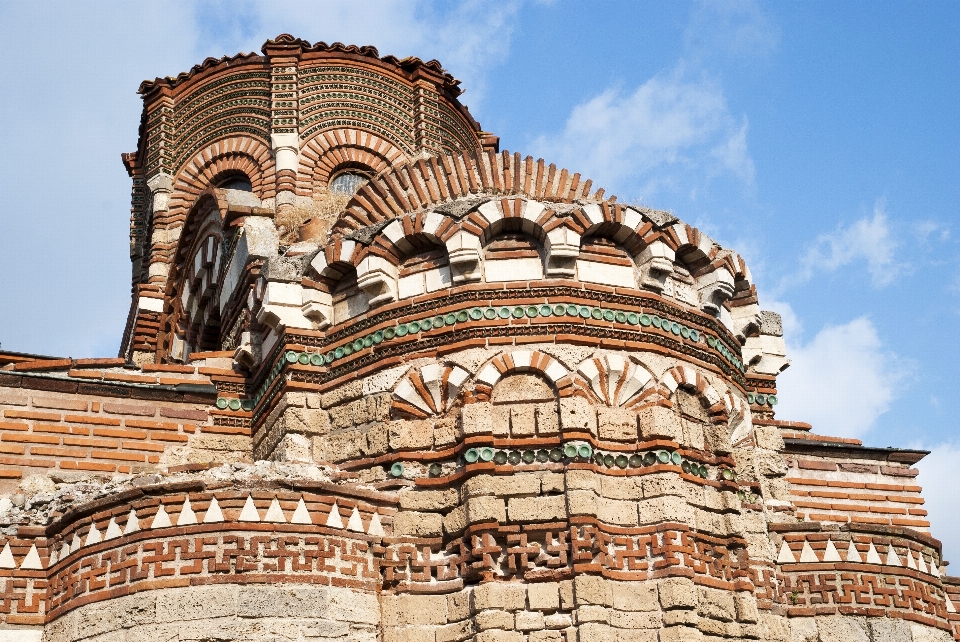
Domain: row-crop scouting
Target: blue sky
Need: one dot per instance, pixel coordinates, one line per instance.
(820, 140)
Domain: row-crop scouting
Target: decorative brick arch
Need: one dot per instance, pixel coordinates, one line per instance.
(522, 361)
(241, 154)
(322, 154)
(690, 380)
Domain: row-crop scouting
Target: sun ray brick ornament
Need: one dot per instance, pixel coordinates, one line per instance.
(301, 515)
(213, 514)
(32, 561)
(249, 512)
(6, 557)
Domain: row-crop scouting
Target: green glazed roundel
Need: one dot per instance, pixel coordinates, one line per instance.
(675, 458)
(750, 397)
(476, 314)
(490, 314)
(655, 320)
(559, 310)
(426, 324)
(685, 332)
(584, 312)
(645, 320)
(532, 311)
(413, 327)
(389, 333)
(675, 328)
(695, 336)
(347, 350)
(500, 457)
(596, 313)
(303, 358)
(338, 352)
(570, 450)
(291, 356)
(486, 453)
(462, 316)
(545, 310)
(471, 455)
(378, 337)
(503, 313)
(518, 312)
(234, 404)
(396, 469)
(572, 310)
(761, 399)
(316, 360)
(358, 345)
(222, 403)
(609, 315)
(663, 456)
(450, 319)
(438, 321)
(584, 450)
(772, 400)
(401, 330)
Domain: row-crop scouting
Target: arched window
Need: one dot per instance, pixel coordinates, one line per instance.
(347, 183)
(238, 182)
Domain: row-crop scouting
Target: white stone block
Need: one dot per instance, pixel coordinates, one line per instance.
(525, 269)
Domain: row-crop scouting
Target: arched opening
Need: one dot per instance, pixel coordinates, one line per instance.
(604, 261)
(233, 180)
(347, 180)
(513, 256)
(524, 405)
(424, 268)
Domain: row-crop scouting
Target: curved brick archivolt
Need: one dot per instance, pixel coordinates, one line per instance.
(477, 399)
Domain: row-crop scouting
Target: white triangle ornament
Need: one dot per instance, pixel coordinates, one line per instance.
(873, 557)
(32, 561)
(853, 555)
(93, 536)
(77, 543)
(950, 607)
(65, 551)
(249, 512)
(892, 558)
(133, 523)
(831, 554)
(113, 531)
(301, 515)
(161, 519)
(355, 524)
(786, 555)
(275, 513)
(376, 527)
(910, 561)
(53, 556)
(187, 516)
(921, 565)
(807, 556)
(333, 519)
(6, 557)
(213, 515)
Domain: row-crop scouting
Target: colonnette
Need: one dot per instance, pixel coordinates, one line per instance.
(382, 381)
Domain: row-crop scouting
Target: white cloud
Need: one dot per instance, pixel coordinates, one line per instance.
(938, 475)
(868, 241)
(662, 136)
(841, 381)
(737, 29)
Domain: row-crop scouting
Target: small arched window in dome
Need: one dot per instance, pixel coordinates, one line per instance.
(347, 183)
(235, 181)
